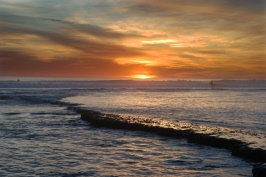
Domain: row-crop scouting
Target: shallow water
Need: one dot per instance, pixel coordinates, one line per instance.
(41, 139)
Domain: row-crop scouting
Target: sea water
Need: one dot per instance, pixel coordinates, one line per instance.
(43, 139)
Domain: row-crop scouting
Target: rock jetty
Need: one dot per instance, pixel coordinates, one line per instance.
(237, 147)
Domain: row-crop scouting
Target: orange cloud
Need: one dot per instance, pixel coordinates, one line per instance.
(166, 39)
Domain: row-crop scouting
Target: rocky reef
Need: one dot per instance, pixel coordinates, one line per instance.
(259, 170)
(237, 147)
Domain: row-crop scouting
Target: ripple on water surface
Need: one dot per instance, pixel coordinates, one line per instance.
(64, 145)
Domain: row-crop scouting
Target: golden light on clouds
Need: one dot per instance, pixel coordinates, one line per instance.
(218, 39)
(142, 61)
(161, 41)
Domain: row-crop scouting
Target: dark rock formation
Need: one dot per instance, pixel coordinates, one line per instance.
(249, 153)
(237, 147)
(259, 170)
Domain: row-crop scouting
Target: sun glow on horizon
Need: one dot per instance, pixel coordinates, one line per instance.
(142, 76)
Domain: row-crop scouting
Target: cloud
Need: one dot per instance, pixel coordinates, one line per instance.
(24, 64)
(67, 37)
(91, 54)
(191, 57)
(182, 16)
(116, 38)
(71, 26)
(171, 7)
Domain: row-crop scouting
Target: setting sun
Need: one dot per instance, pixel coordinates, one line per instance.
(142, 76)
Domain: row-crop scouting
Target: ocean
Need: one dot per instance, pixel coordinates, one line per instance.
(43, 135)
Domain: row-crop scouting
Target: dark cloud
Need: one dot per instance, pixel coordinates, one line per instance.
(211, 52)
(162, 7)
(191, 57)
(95, 59)
(201, 15)
(54, 24)
(14, 63)
(87, 46)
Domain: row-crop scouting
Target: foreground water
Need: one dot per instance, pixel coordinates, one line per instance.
(41, 139)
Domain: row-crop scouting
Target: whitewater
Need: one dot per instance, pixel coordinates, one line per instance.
(43, 135)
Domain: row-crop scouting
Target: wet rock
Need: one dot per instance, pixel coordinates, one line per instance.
(249, 153)
(237, 147)
(259, 170)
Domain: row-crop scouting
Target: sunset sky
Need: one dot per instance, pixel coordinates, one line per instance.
(171, 39)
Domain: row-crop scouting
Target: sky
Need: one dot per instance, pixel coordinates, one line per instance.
(169, 39)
